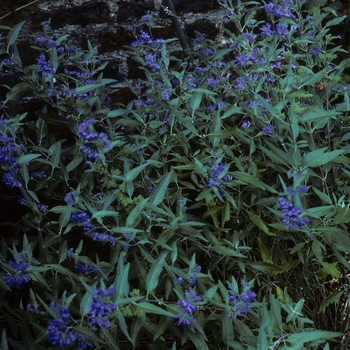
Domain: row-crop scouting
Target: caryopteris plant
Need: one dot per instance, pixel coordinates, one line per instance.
(210, 212)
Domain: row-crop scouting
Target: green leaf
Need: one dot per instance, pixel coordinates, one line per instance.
(121, 283)
(25, 173)
(343, 215)
(62, 209)
(335, 21)
(227, 329)
(331, 269)
(198, 340)
(159, 191)
(174, 252)
(87, 88)
(196, 100)
(259, 223)
(322, 196)
(62, 252)
(300, 338)
(85, 304)
(123, 326)
(153, 309)
(18, 91)
(117, 113)
(209, 294)
(228, 252)
(24, 158)
(317, 248)
(154, 273)
(318, 157)
(276, 311)
(130, 175)
(13, 34)
(135, 213)
(252, 181)
(102, 213)
(222, 134)
(74, 163)
(55, 151)
(332, 298)
(277, 155)
(4, 344)
(314, 113)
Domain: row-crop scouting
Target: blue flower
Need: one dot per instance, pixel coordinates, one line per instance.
(283, 10)
(166, 93)
(188, 308)
(212, 81)
(43, 66)
(282, 29)
(240, 83)
(80, 217)
(266, 30)
(314, 51)
(85, 269)
(291, 215)
(102, 307)
(221, 105)
(15, 281)
(246, 123)
(59, 332)
(179, 280)
(266, 129)
(70, 197)
(242, 302)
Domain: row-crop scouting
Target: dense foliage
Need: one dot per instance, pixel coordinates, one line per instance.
(211, 211)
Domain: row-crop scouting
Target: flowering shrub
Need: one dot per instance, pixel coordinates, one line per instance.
(209, 212)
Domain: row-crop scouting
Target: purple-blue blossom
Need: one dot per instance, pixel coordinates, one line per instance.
(246, 123)
(283, 10)
(15, 281)
(291, 216)
(86, 268)
(102, 308)
(43, 65)
(266, 129)
(60, 332)
(240, 83)
(241, 302)
(188, 307)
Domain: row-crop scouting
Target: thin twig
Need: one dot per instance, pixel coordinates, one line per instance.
(19, 8)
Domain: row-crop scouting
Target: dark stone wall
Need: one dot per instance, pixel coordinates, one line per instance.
(108, 24)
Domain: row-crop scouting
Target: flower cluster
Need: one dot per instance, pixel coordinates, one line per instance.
(188, 308)
(216, 177)
(102, 308)
(88, 134)
(280, 29)
(300, 190)
(59, 332)
(291, 215)
(145, 39)
(82, 217)
(9, 156)
(43, 65)
(86, 268)
(15, 281)
(241, 302)
(283, 10)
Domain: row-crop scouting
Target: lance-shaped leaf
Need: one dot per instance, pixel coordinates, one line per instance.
(154, 273)
(318, 157)
(159, 191)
